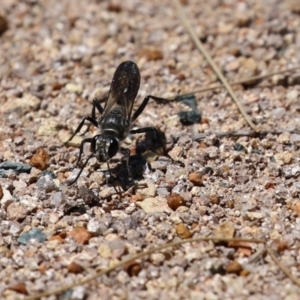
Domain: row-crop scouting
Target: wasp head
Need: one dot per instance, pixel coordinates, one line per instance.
(105, 147)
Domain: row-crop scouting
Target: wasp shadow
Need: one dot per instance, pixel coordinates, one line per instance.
(154, 140)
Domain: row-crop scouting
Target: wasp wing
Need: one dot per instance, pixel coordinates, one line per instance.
(123, 89)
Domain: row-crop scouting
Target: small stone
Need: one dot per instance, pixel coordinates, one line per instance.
(214, 199)
(176, 153)
(151, 53)
(57, 199)
(47, 184)
(104, 251)
(28, 103)
(196, 178)
(174, 201)
(149, 191)
(3, 24)
(80, 234)
(159, 165)
(225, 230)
(17, 211)
(48, 128)
(295, 138)
(294, 6)
(284, 138)
(255, 215)
(249, 68)
(278, 113)
(117, 248)
(15, 228)
(58, 238)
(133, 268)
(64, 136)
(182, 231)
(6, 199)
(75, 268)
(34, 234)
(157, 204)
(19, 288)
(233, 65)
(234, 268)
(283, 158)
(15, 167)
(53, 217)
(107, 192)
(74, 88)
(19, 140)
(120, 214)
(230, 204)
(157, 258)
(296, 208)
(173, 173)
(292, 95)
(40, 159)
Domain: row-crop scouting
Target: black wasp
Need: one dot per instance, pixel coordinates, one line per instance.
(116, 116)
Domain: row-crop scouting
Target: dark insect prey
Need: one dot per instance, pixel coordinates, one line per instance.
(116, 117)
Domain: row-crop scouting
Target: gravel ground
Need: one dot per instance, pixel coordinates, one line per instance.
(55, 57)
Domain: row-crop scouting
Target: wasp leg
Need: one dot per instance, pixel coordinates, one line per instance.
(96, 104)
(126, 153)
(145, 102)
(91, 141)
(92, 119)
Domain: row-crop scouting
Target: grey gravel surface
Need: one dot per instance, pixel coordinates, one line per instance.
(55, 57)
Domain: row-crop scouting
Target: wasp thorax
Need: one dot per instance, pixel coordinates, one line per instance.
(106, 147)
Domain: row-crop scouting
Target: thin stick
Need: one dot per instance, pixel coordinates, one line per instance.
(283, 268)
(249, 133)
(245, 80)
(199, 45)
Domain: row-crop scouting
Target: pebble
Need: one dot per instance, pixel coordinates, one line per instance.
(47, 184)
(53, 217)
(33, 234)
(283, 158)
(28, 103)
(196, 178)
(234, 268)
(80, 234)
(15, 228)
(149, 191)
(295, 138)
(107, 192)
(176, 153)
(292, 95)
(3, 24)
(255, 215)
(75, 268)
(224, 230)
(49, 127)
(57, 199)
(182, 231)
(278, 113)
(174, 201)
(40, 159)
(104, 251)
(6, 199)
(17, 211)
(284, 138)
(15, 167)
(157, 204)
(74, 88)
